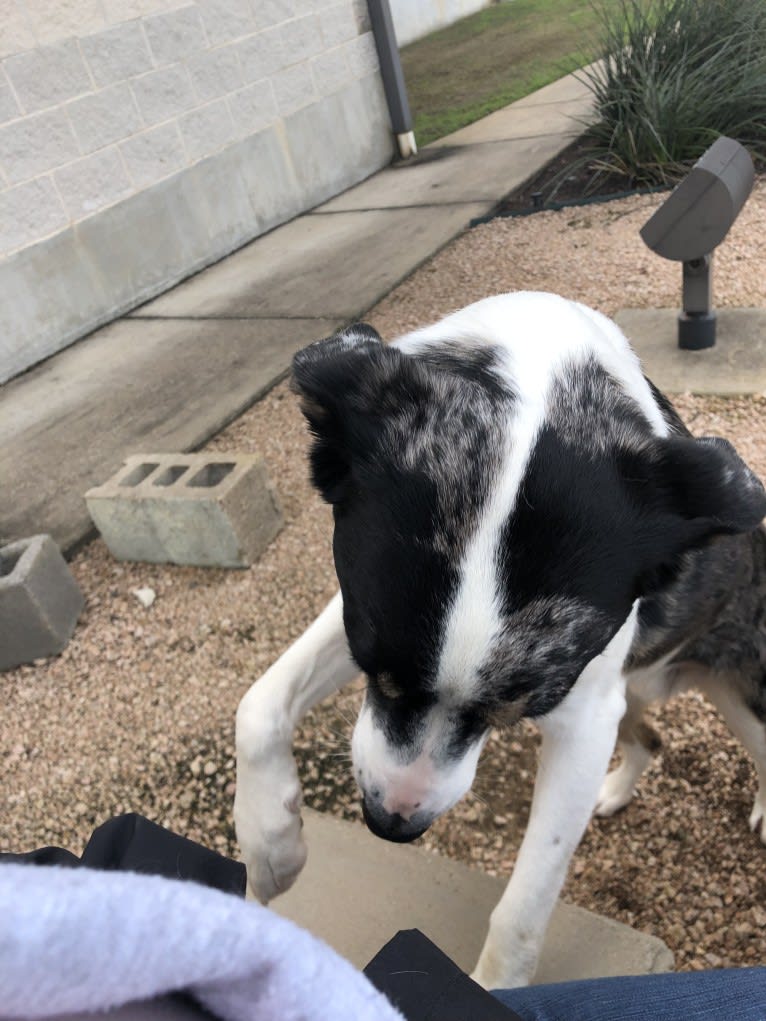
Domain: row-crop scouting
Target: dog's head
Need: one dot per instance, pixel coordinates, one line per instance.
(489, 542)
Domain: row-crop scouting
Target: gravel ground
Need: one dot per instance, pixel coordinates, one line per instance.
(137, 713)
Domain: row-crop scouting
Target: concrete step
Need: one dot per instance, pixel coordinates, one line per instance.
(736, 365)
(357, 891)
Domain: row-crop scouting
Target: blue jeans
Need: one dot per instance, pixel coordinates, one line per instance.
(729, 994)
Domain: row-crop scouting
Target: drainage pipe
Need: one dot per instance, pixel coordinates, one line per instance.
(393, 79)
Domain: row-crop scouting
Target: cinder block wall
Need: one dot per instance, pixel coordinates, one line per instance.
(143, 139)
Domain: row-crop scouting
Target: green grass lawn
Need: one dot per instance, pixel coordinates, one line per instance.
(491, 58)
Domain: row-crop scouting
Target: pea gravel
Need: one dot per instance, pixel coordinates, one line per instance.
(137, 713)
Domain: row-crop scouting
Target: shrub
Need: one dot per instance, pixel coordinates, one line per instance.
(675, 76)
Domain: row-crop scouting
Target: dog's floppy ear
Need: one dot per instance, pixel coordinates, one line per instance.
(688, 491)
(320, 372)
(340, 381)
(708, 482)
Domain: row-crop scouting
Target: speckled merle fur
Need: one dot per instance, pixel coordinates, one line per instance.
(715, 603)
(405, 452)
(407, 449)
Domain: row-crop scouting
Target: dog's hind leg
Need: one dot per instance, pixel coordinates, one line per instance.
(726, 695)
(268, 797)
(637, 742)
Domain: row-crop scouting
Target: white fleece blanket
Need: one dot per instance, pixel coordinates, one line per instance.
(80, 940)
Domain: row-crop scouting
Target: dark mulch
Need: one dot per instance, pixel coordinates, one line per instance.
(568, 178)
(571, 178)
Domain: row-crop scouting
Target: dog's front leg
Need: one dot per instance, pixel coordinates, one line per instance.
(578, 739)
(268, 797)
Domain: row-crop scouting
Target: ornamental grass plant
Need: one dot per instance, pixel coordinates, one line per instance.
(675, 76)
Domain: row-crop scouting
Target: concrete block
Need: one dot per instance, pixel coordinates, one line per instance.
(358, 111)
(207, 510)
(39, 601)
(28, 213)
(105, 117)
(263, 54)
(89, 184)
(15, 31)
(164, 94)
(118, 53)
(263, 163)
(117, 11)
(153, 154)
(302, 38)
(253, 108)
(274, 12)
(338, 24)
(48, 75)
(57, 20)
(207, 129)
(176, 34)
(227, 19)
(331, 71)
(222, 225)
(9, 107)
(294, 89)
(362, 17)
(362, 55)
(31, 146)
(215, 73)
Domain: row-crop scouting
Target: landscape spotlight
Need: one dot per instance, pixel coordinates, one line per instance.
(692, 222)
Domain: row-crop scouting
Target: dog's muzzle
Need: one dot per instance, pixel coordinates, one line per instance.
(393, 827)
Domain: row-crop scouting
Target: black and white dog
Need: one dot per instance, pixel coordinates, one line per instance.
(523, 528)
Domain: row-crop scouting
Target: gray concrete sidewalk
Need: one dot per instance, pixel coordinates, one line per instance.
(179, 368)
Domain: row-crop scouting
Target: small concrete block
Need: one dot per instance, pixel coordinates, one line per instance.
(39, 601)
(206, 510)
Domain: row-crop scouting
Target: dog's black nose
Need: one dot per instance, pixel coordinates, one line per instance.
(391, 827)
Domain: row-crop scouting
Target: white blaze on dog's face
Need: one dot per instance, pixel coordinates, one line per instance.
(406, 786)
(505, 484)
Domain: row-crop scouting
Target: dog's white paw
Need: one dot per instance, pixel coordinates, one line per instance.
(270, 835)
(273, 868)
(758, 815)
(497, 968)
(490, 977)
(616, 791)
